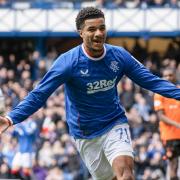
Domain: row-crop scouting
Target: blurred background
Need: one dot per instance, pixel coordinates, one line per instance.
(33, 33)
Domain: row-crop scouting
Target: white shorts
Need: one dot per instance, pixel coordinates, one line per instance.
(24, 160)
(99, 153)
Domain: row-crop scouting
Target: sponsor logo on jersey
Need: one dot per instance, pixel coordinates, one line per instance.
(173, 106)
(101, 85)
(84, 72)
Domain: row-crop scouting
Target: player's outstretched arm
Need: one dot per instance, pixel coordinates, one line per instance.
(5, 123)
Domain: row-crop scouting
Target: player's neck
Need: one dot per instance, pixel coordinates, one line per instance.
(94, 54)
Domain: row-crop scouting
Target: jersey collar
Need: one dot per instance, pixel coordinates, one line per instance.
(93, 58)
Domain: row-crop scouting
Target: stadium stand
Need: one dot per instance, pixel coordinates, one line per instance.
(54, 150)
(83, 3)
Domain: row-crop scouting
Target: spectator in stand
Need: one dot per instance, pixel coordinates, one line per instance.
(4, 171)
(157, 3)
(116, 4)
(4, 3)
(12, 62)
(2, 62)
(173, 4)
(24, 158)
(2, 102)
(56, 173)
(100, 3)
(141, 3)
(178, 73)
(127, 93)
(45, 155)
(139, 51)
(141, 106)
(136, 121)
(168, 111)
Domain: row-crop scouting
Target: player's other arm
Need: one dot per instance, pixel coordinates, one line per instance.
(159, 106)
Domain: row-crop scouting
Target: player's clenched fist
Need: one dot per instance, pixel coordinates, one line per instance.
(4, 124)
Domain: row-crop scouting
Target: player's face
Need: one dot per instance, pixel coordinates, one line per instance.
(93, 34)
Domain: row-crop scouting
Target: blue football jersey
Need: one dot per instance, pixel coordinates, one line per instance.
(92, 101)
(26, 134)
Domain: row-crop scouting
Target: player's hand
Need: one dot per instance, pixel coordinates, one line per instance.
(5, 123)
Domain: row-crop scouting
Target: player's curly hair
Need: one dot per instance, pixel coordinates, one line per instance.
(87, 13)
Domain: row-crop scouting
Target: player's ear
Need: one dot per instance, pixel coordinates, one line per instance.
(80, 32)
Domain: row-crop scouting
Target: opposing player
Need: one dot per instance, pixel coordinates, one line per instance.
(168, 111)
(96, 119)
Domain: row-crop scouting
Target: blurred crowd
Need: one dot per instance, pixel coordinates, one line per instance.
(55, 154)
(110, 4)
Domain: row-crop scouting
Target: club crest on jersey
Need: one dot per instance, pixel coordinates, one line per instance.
(114, 66)
(84, 72)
